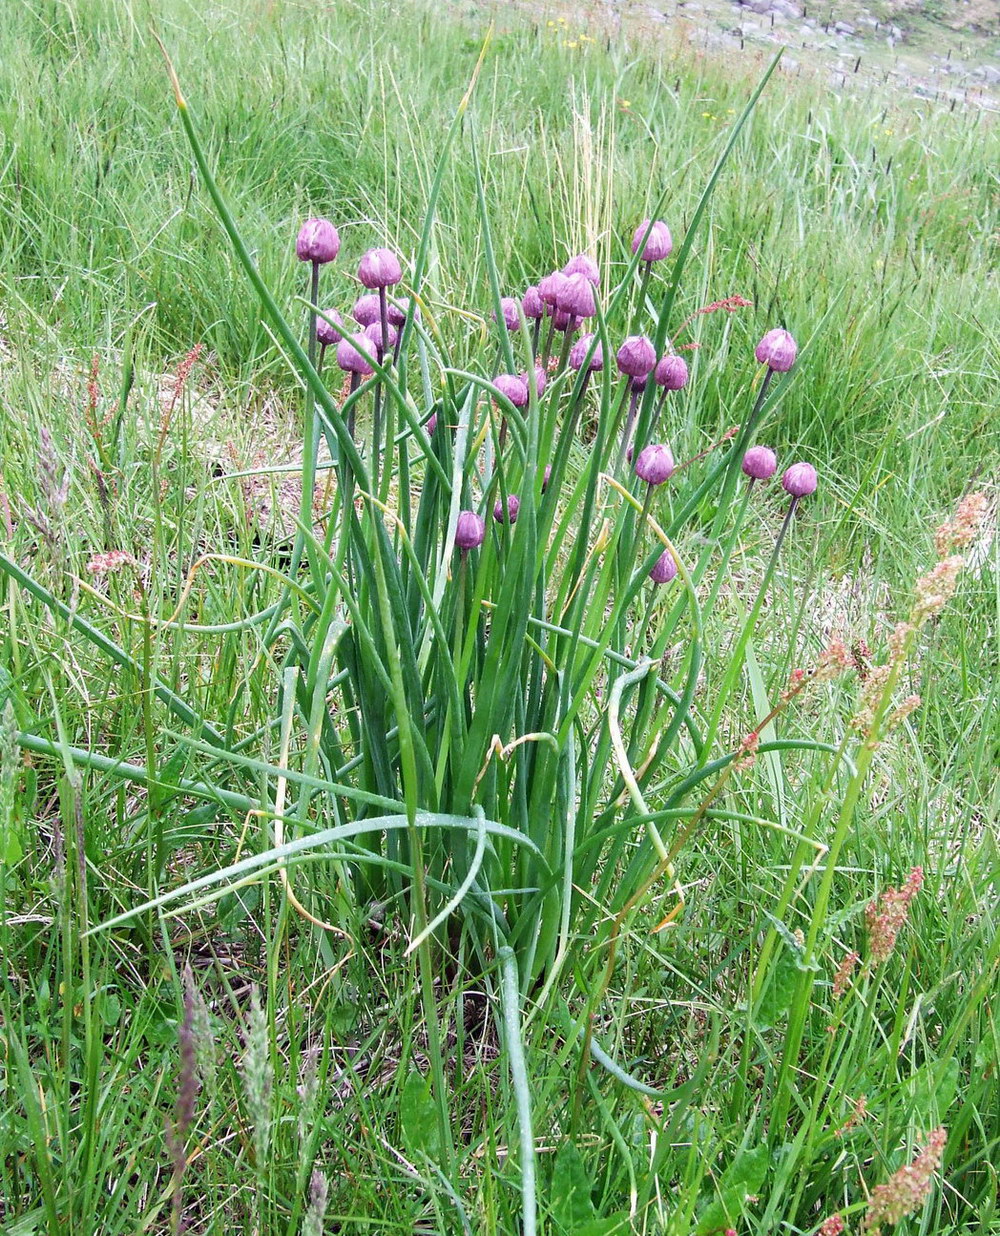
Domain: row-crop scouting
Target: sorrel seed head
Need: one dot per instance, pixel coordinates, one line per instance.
(317, 241)
(664, 568)
(578, 354)
(507, 515)
(511, 386)
(636, 357)
(777, 350)
(671, 372)
(379, 268)
(583, 265)
(760, 463)
(799, 480)
(655, 464)
(469, 531)
(658, 242)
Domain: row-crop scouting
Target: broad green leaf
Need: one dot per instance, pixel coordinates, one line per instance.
(572, 1205)
(418, 1117)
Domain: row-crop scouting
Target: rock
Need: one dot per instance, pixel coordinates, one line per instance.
(989, 73)
(844, 27)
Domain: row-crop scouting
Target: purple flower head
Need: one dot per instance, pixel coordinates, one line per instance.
(550, 287)
(508, 516)
(379, 268)
(374, 332)
(532, 304)
(511, 317)
(546, 477)
(636, 357)
(327, 333)
(317, 241)
(760, 463)
(540, 380)
(578, 354)
(583, 265)
(658, 242)
(799, 480)
(664, 569)
(638, 384)
(353, 352)
(576, 297)
(366, 310)
(671, 372)
(777, 350)
(562, 320)
(431, 424)
(396, 314)
(469, 531)
(511, 386)
(655, 464)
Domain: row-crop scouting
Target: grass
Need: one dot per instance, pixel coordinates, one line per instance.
(867, 227)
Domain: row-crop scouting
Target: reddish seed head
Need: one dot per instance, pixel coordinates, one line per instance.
(655, 241)
(317, 241)
(671, 373)
(510, 515)
(379, 268)
(579, 350)
(777, 350)
(532, 304)
(328, 333)
(366, 309)
(664, 569)
(760, 463)
(655, 464)
(576, 297)
(583, 265)
(511, 386)
(511, 317)
(352, 354)
(469, 531)
(800, 480)
(636, 357)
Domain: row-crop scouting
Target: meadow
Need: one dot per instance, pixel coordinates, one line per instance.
(456, 790)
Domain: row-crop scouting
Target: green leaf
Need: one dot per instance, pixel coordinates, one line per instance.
(162, 791)
(931, 1090)
(780, 991)
(418, 1118)
(572, 1205)
(744, 1176)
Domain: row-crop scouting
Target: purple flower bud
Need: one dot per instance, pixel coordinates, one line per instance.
(511, 317)
(511, 386)
(671, 373)
(540, 380)
(583, 265)
(353, 352)
(374, 332)
(638, 384)
(664, 569)
(431, 424)
(532, 304)
(327, 333)
(317, 241)
(760, 463)
(777, 350)
(636, 357)
(546, 477)
(469, 531)
(657, 244)
(550, 287)
(799, 480)
(513, 506)
(366, 310)
(379, 268)
(562, 320)
(396, 314)
(578, 354)
(655, 464)
(576, 297)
